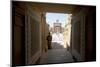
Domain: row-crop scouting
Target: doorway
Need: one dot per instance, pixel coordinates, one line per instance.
(60, 29)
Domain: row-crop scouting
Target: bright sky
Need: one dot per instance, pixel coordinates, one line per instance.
(52, 17)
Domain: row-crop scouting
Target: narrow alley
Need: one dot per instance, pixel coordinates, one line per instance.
(75, 42)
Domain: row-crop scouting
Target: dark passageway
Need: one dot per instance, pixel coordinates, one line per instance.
(30, 29)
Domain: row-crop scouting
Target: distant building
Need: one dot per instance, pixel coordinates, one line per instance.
(67, 32)
(57, 27)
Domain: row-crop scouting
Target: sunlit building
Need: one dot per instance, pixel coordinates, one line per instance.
(57, 27)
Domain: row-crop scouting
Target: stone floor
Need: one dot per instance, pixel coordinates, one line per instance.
(56, 45)
(59, 55)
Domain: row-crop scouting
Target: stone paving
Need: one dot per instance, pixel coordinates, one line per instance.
(57, 56)
(56, 45)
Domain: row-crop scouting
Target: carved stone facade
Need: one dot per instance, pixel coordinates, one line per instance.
(57, 27)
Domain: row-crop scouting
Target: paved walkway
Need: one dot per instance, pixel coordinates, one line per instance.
(57, 56)
(56, 45)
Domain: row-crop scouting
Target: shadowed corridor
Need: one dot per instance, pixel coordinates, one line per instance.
(30, 30)
(59, 54)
